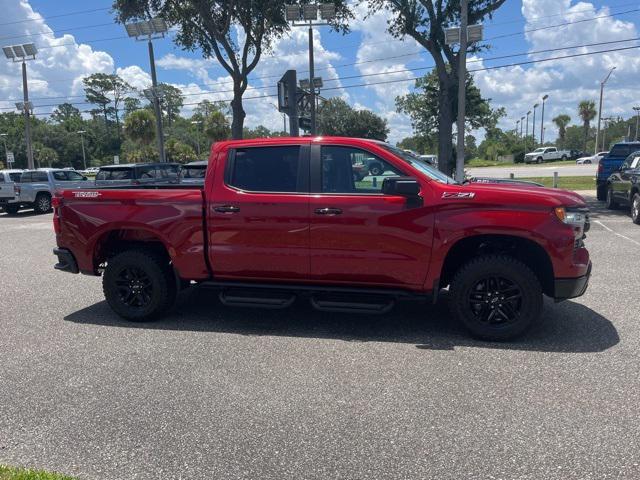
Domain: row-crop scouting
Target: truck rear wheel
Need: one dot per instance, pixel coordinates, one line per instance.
(496, 297)
(139, 285)
(42, 203)
(635, 208)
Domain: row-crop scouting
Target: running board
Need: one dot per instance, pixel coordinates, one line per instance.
(256, 297)
(369, 304)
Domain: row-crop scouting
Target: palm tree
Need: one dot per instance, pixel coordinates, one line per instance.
(561, 122)
(587, 112)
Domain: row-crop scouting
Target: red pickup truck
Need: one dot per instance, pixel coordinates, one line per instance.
(286, 218)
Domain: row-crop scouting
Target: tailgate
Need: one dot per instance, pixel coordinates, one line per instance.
(6, 191)
(609, 165)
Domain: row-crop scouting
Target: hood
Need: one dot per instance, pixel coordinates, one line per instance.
(521, 195)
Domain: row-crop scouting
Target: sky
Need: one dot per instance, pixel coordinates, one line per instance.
(76, 39)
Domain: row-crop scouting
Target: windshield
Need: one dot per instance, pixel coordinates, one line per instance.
(421, 165)
(538, 150)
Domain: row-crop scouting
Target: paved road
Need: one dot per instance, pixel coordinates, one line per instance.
(544, 170)
(216, 392)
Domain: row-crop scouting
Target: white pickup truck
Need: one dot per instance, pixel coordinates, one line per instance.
(546, 154)
(7, 181)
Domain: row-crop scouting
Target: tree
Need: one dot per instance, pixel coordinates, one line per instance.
(102, 89)
(425, 21)
(171, 101)
(337, 118)
(180, 152)
(68, 116)
(561, 122)
(139, 126)
(587, 112)
(234, 32)
(131, 104)
(424, 108)
(216, 126)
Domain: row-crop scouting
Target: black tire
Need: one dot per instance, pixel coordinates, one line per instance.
(139, 285)
(609, 201)
(564, 158)
(635, 208)
(375, 169)
(587, 162)
(42, 203)
(539, 160)
(601, 192)
(491, 316)
(11, 209)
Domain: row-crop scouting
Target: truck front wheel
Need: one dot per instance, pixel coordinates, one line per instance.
(42, 203)
(496, 297)
(139, 285)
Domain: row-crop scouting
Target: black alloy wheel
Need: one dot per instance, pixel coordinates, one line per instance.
(495, 301)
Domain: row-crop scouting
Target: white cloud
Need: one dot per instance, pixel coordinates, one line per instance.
(60, 64)
(566, 81)
(135, 76)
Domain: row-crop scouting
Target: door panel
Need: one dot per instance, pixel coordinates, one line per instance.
(361, 237)
(260, 234)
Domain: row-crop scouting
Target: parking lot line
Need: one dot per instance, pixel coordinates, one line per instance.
(616, 233)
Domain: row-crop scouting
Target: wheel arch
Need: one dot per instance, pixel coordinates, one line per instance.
(527, 251)
(117, 240)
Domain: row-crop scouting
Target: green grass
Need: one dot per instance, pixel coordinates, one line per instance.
(477, 162)
(13, 473)
(569, 183)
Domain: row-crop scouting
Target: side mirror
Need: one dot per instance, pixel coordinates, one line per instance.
(401, 186)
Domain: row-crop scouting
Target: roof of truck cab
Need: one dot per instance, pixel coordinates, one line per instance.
(294, 141)
(133, 165)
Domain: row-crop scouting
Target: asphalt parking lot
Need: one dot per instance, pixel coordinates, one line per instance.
(224, 393)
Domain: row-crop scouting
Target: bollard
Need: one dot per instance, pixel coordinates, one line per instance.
(555, 179)
(512, 176)
(375, 182)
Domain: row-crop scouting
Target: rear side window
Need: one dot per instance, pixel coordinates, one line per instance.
(121, 174)
(265, 169)
(167, 171)
(26, 177)
(102, 175)
(624, 149)
(194, 172)
(15, 177)
(147, 172)
(39, 177)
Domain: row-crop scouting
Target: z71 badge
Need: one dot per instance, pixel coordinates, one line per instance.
(86, 194)
(458, 195)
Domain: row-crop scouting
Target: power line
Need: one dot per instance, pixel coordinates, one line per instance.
(384, 82)
(58, 32)
(501, 57)
(56, 16)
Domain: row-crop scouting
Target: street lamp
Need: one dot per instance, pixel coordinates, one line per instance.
(307, 16)
(22, 53)
(542, 120)
(517, 127)
(533, 128)
(151, 30)
(84, 159)
(521, 125)
(606, 121)
(637, 109)
(600, 108)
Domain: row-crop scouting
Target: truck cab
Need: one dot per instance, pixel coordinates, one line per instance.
(610, 163)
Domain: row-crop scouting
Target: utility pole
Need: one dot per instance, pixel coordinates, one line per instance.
(533, 128)
(521, 126)
(542, 121)
(600, 109)
(637, 109)
(84, 159)
(152, 30)
(526, 133)
(462, 90)
(517, 128)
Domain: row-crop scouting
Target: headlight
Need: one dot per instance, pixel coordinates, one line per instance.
(577, 218)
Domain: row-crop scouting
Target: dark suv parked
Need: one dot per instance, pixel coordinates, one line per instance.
(623, 186)
(610, 163)
(138, 174)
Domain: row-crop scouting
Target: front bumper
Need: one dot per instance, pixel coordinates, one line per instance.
(66, 260)
(566, 288)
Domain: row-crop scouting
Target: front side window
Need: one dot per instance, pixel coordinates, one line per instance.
(421, 165)
(265, 169)
(147, 172)
(102, 175)
(194, 172)
(39, 177)
(351, 170)
(15, 177)
(74, 176)
(26, 177)
(59, 176)
(121, 174)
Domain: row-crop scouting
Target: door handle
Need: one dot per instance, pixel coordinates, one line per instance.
(227, 209)
(328, 211)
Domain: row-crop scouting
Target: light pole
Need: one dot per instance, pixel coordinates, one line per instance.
(517, 128)
(606, 121)
(464, 35)
(521, 126)
(22, 53)
(152, 30)
(542, 121)
(526, 132)
(637, 109)
(600, 108)
(197, 122)
(307, 16)
(533, 128)
(84, 158)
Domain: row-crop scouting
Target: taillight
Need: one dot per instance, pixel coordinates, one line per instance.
(16, 189)
(56, 203)
(600, 167)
